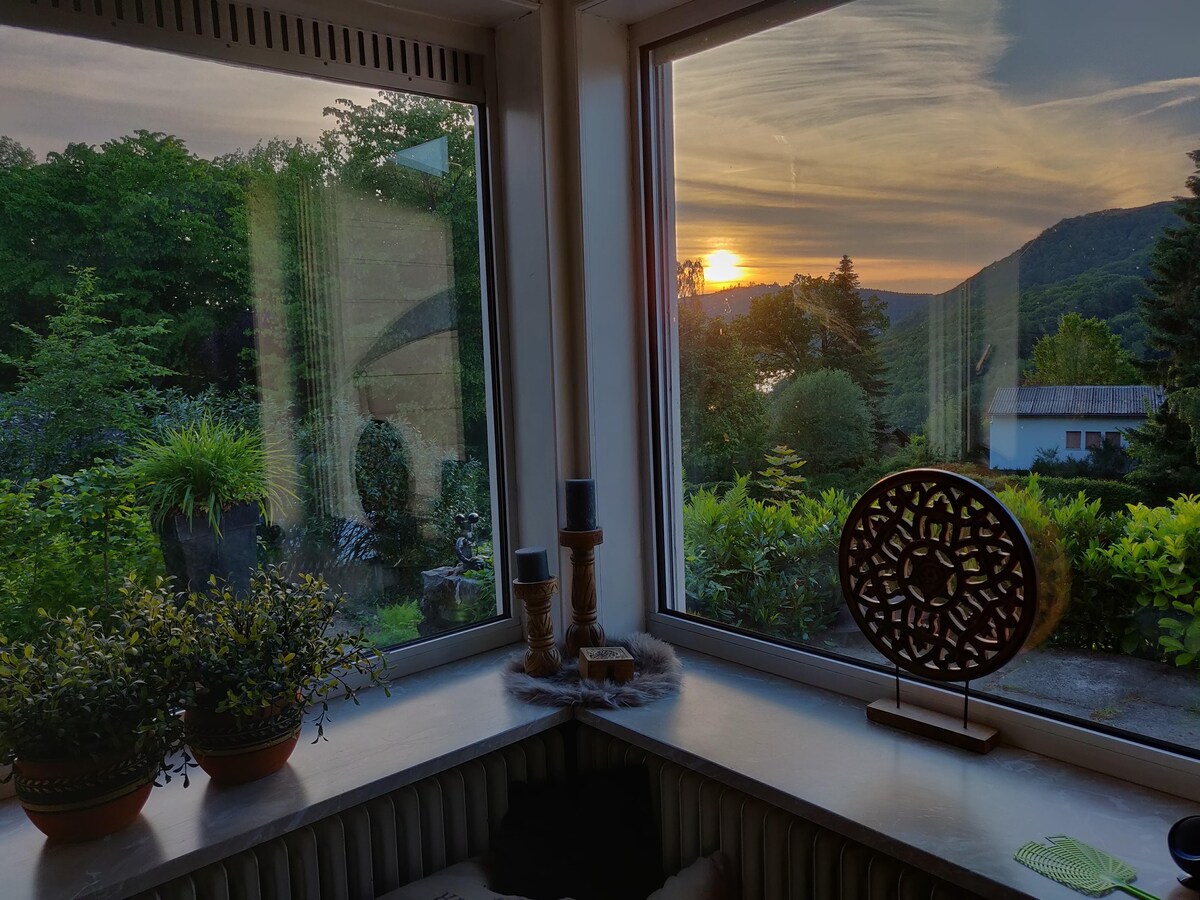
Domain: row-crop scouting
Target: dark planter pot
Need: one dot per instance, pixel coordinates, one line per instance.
(193, 553)
(235, 749)
(82, 799)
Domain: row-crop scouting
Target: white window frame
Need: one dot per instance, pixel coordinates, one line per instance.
(678, 33)
(509, 459)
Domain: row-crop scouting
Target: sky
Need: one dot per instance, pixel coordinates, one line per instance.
(55, 90)
(928, 138)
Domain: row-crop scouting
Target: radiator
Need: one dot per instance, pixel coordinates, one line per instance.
(413, 832)
(779, 856)
(374, 848)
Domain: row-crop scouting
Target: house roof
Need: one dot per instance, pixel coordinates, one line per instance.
(1131, 400)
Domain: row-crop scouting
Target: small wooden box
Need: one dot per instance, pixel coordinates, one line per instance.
(599, 663)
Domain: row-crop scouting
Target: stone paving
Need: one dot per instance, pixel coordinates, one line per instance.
(1137, 695)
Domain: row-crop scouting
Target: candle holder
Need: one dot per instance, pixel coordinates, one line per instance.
(542, 657)
(584, 630)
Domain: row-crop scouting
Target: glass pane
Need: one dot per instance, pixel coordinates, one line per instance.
(927, 234)
(190, 248)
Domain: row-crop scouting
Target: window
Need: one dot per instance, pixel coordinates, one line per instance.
(843, 292)
(291, 258)
(1112, 439)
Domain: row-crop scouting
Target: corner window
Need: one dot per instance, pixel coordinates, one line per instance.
(908, 252)
(187, 245)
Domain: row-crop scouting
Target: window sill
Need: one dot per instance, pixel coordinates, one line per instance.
(804, 749)
(957, 815)
(433, 721)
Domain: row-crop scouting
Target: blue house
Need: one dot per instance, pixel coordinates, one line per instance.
(1071, 419)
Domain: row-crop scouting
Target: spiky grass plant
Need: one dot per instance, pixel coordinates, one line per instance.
(202, 469)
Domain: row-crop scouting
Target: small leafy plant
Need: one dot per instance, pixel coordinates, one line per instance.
(92, 685)
(273, 646)
(202, 469)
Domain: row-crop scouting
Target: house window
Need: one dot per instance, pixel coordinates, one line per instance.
(294, 259)
(1112, 439)
(834, 271)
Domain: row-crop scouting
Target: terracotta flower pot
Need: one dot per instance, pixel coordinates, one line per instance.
(82, 799)
(235, 749)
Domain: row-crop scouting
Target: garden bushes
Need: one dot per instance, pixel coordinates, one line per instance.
(764, 565)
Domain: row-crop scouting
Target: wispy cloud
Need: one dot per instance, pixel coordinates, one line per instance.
(60, 89)
(878, 129)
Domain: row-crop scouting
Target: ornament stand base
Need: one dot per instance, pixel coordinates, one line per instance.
(927, 723)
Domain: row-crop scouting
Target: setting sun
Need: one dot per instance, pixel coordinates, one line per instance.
(722, 267)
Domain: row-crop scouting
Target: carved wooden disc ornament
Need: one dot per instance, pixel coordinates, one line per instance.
(938, 574)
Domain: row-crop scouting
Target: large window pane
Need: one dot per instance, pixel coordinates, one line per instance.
(186, 243)
(919, 233)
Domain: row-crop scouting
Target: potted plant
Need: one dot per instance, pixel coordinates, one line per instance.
(260, 660)
(88, 716)
(207, 487)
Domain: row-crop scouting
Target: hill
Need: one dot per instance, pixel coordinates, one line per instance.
(1094, 264)
(732, 302)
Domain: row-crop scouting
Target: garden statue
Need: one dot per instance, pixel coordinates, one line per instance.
(464, 546)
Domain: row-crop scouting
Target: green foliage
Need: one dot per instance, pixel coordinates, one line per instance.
(397, 624)
(94, 684)
(83, 385)
(1082, 351)
(382, 476)
(722, 412)
(762, 565)
(202, 469)
(281, 640)
(1157, 560)
(781, 480)
(1113, 496)
(1165, 448)
(818, 323)
(163, 230)
(826, 417)
(70, 541)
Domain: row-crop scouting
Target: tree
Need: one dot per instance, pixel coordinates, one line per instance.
(825, 416)
(164, 232)
(1082, 351)
(13, 154)
(83, 386)
(689, 281)
(721, 410)
(819, 322)
(1166, 447)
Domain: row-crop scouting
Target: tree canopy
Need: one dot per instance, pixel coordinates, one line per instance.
(1082, 351)
(824, 415)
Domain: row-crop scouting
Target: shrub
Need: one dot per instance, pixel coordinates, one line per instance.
(397, 624)
(825, 416)
(1157, 559)
(70, 541)
(1113, 496)
(761, 565)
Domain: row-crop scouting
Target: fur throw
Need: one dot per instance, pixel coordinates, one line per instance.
(656, 674)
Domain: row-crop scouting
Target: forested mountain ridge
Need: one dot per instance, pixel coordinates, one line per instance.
(1094, 264)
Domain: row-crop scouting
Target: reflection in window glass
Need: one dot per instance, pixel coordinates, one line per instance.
(913, 233)
(283, 257)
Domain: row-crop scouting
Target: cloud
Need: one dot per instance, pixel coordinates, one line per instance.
(58, 89)
(878, 129)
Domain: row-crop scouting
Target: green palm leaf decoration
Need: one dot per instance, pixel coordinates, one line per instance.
(1080, 866)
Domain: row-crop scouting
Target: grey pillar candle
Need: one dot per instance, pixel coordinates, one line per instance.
(532, 565)
(581, 504)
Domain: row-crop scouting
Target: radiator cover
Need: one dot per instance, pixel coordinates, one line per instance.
(368, 850)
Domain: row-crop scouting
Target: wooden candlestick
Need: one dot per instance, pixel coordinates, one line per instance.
(542, 657)
(584, 630)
